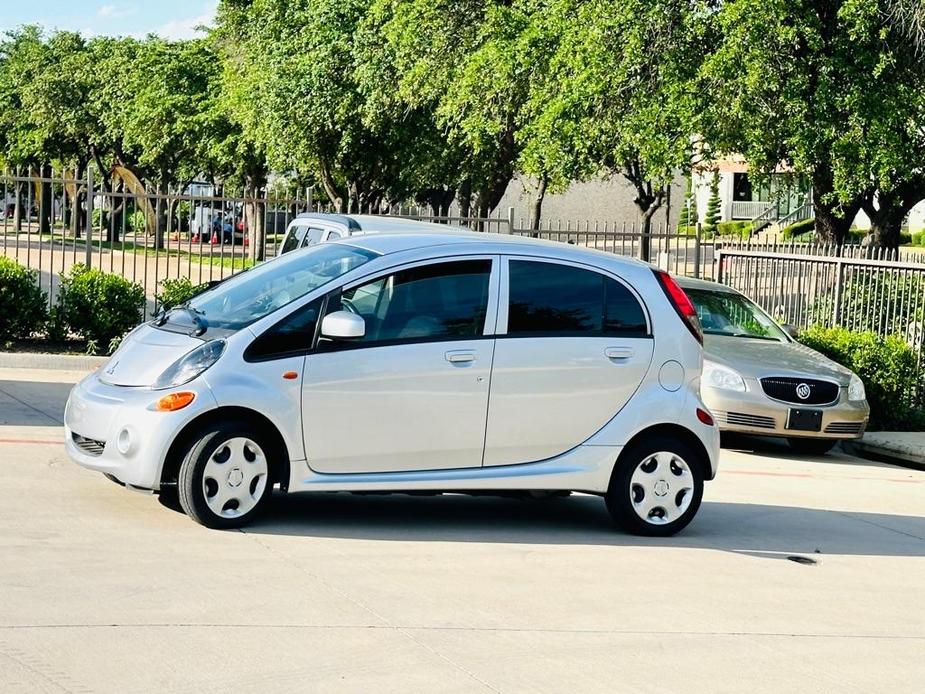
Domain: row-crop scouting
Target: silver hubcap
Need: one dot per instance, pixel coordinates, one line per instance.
(235, 477)
(661, 488)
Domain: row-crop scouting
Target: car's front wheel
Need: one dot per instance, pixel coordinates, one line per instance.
(656, 487)
(225, 478)
(811, 446)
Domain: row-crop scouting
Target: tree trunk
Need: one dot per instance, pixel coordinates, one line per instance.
(19, 207)
(160, 212)
(833, 219)
(465, 199)
(645, 229)
(255, 218)
(537, 211)
(46, 205)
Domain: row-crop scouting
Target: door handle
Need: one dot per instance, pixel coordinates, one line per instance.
(618, 352)
(461, 356)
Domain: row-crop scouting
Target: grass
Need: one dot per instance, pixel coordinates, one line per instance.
(211, 255)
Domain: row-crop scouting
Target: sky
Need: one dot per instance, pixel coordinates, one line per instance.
(172, 19)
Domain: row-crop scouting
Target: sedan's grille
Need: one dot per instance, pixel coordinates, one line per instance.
(844, 428)
(741, 419)
(802, 391)
(88, 446)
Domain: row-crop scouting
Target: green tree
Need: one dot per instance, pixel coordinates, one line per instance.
(831, 88)
(619, 94)
(297, 96)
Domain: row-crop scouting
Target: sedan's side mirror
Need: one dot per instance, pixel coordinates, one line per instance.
(343, 325)
(790, 330)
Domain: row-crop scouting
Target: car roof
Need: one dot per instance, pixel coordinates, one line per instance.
(377, 223)
(484, 242)
(703, 285)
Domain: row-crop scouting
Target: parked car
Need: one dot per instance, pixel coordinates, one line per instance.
(758, 380)
(364, 365)
(312, 228)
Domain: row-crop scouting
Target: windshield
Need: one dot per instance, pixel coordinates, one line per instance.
(725, 313)
(251, 295)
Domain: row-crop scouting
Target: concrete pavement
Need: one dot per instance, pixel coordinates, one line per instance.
(106, 590)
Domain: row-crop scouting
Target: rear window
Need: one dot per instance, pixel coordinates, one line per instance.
(551, 299)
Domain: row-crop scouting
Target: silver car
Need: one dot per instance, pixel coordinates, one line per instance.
(410, 362)
(312, 228)
(758, 380)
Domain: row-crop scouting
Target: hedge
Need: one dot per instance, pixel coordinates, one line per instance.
(796, 229)
(176, 291)
(886, 365)
(97, 306)
(740, 228)
(23, 304)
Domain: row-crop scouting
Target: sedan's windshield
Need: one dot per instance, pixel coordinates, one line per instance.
(247, 297)
(725, 313)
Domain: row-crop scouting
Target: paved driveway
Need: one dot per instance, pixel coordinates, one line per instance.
(106, 590)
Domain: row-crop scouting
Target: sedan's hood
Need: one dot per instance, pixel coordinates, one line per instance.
(756, 358)
(144, 355)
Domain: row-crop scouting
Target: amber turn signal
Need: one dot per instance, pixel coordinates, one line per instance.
(291, 375)
(174, 401)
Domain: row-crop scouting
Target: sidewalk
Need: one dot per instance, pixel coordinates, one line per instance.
(904, 447)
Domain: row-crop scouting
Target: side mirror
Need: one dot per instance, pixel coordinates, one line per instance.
(790, 330)
(343, 325)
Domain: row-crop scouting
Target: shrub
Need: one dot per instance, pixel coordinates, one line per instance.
(176, 291)
(918, 239)
(22, 303)
(98, 306)
(887, 366)
(806, 226)
(712, 215)
(740, 228)
(884, 303)
(905, 238)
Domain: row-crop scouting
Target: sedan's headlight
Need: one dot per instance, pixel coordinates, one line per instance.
(856, 392)
(187, 367)
(719, 376)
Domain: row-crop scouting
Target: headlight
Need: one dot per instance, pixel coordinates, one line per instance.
(718, 376)
(191, 365)
(856, 391)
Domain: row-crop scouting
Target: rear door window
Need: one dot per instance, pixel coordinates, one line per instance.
(550, 299)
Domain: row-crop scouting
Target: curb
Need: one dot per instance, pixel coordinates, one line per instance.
(893, 454)
(59, 362)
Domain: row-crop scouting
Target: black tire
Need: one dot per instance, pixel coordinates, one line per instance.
(620, 495)
(811, 446)
(190, 486)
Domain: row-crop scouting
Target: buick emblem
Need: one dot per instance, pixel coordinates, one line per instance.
(803, 391)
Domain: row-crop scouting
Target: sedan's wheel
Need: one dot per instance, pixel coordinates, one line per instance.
(225, 477)
(656, 487)
(811, 446)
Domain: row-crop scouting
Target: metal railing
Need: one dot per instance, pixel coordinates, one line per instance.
(749, 209)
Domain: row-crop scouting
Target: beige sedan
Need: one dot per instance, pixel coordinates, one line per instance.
(758, 380)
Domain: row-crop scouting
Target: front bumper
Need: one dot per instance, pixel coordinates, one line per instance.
(97, 414)
(753, 412)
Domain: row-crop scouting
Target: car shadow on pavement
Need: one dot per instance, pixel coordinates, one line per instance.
(753, 529)
(32, 403)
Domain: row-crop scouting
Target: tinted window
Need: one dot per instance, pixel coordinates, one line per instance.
(294, 239)
(441, 301)
(313, 237)
(292, 335)
(551, 299)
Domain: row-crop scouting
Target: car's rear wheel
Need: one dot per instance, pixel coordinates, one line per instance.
(656, 487)
(811, 446)
(226, 476)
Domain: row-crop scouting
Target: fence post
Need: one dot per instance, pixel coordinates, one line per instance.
(719, 265)
(697, 250)
(308, 199)
(839, 282)
(510, 220)
(88, 257)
